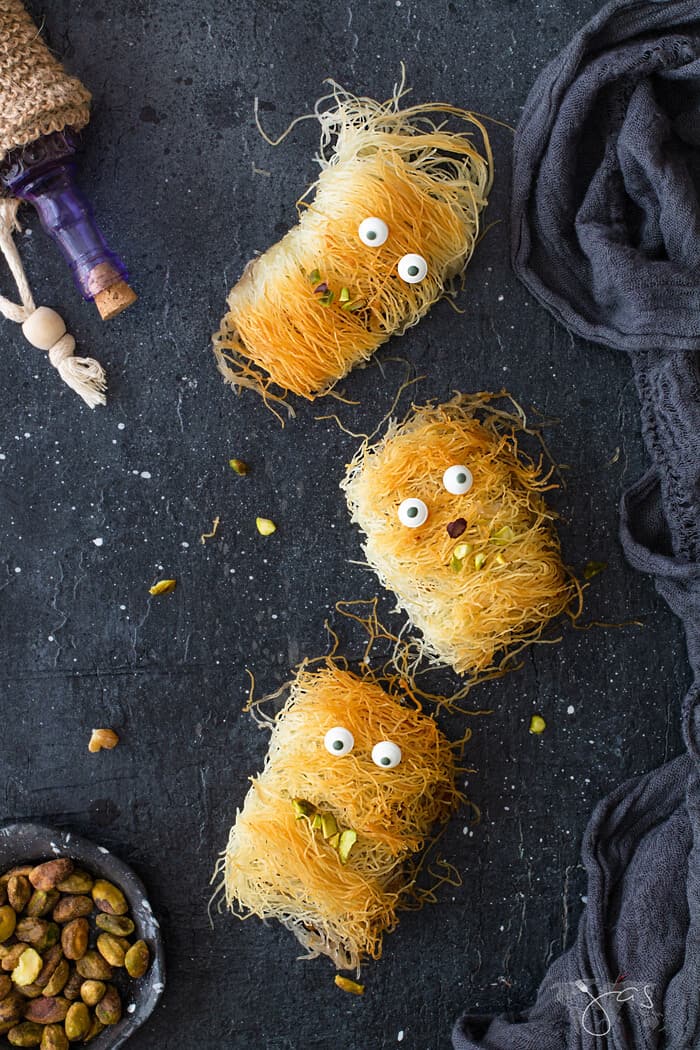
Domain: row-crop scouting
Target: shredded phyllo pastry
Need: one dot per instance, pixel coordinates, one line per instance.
(354, 783)
(395, 217)
(456, 525)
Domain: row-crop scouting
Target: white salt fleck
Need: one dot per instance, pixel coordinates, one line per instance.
(585, 900)
(17, 568)
(98, 541)
(399, 1037)
(123, 608)
(130, 1008)
(120, 426)
(2, 455)
(501, 298)
(570, 709)
(145, 474)
(27, 434)
(184, 544)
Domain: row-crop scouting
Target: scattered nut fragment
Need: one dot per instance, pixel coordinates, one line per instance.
(346, 985)
(77, 1022)
(28, 968)
(102, 738)
(48, 875)
(109, 898)
(238, 466)
(265, 527)
(92, 991)
(137, 959)
(162, 587)
(537, 724)
(74, 939)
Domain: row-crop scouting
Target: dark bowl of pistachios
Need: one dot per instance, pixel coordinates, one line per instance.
(81, 956)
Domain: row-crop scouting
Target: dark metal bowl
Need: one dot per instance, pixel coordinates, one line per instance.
(22, 843)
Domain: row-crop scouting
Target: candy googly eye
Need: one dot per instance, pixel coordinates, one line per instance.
(413, 513)
(339, 741)
(412, 268)
(457, 480)
(373, 232)
(386, 754)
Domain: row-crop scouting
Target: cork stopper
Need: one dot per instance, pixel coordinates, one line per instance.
(111, 301)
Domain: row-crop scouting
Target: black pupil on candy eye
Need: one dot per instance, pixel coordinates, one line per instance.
(461, 478)
(337, 745)
(385, 761)
(371, 235)
(412, 271)
(412, 512)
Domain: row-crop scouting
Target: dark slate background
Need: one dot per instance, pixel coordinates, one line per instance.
(169, 162)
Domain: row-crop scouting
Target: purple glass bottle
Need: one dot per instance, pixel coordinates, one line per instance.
(44, 174)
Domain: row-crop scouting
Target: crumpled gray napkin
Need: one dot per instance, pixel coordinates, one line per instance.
(606, 234)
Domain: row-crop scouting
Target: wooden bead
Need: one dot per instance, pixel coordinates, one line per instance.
(43, 328)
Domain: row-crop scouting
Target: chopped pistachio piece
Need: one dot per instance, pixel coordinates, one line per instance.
(462, 550)
(504, 535)
(315, 276)
(329, 826)
(327, 298)
(347, 841)
(500, 559)
(537, 724)
(593, 568)
(344, 296)
(316, 822)
(238, 466)
(302, 808)
(265, 527)
(456, 563)
(163, 587)
(479, 560)
(334, 840)
(346, 985)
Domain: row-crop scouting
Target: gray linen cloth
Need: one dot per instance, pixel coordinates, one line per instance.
(606, 234)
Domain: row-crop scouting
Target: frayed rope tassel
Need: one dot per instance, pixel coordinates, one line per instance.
(43, 327)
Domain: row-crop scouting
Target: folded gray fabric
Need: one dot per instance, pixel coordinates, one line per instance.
(606, 234)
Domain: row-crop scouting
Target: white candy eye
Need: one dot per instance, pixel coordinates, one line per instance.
(457, 480)
(413, 513)
(412, 268)
(373, 232)
(339, 741)
(386, 755)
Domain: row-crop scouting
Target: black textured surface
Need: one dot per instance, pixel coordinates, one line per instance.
(170, 161)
